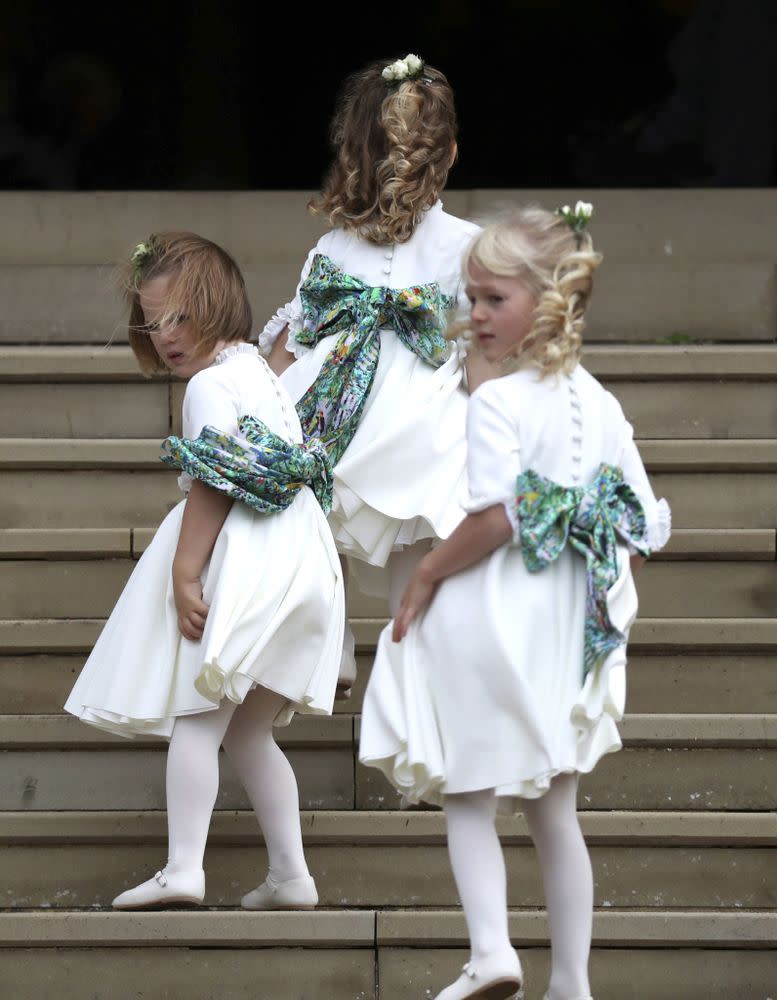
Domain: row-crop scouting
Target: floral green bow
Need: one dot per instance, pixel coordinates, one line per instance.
(591, 518)
(336, 302)
(265, 471)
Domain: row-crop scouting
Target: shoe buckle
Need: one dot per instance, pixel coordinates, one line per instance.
(469, 970)
(161, 878)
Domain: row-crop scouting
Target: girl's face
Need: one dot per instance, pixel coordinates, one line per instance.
(174, 338)
(502, 312)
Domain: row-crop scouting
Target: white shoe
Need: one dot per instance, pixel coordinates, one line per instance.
(589, 997)
(294, 894)
(495, 977)
(164, 889)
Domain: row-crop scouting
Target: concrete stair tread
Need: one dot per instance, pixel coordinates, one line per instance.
(45, 732)
(757, 544)
(682, 928)
(718, 635)
(76, 928)
(741, 455)
(391, 827)
(367, 928)
(632, 362)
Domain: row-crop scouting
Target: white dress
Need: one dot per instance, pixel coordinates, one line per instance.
(486, 689)
(402, 477)
(273, 585)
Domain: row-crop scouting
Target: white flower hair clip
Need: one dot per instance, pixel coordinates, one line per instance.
(409, 68)
(141, 254)
(577, 218)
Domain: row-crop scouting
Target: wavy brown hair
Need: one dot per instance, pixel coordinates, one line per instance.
(207, 286)
(394, 145)
(540, 249)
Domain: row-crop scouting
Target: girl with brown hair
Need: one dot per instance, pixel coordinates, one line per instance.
(361, 346)
(232, 619)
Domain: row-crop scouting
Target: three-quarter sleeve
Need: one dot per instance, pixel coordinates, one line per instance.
(493, 455)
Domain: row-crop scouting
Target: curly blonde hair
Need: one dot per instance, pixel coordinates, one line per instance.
(394, 146)
(207, 286)
(540, 249)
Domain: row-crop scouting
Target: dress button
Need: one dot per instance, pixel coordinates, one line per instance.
(387, 270)
(389, 254)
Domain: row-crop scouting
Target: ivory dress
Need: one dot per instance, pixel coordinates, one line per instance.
(402, 477)
(273, 585)
(486, 690)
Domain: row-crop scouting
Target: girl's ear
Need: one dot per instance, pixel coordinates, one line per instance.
(454, 153)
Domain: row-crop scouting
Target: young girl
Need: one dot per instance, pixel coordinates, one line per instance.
(232, 619)
(374, 378)
(510, 684)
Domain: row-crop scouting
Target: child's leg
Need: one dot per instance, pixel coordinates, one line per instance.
(479, 869)
(568, 880)
(193, 783)
(269, 781)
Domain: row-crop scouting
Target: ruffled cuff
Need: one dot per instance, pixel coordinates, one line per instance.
(659, 530)
(285, 316)
(475, 504)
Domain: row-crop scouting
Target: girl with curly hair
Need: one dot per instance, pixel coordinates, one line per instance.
(502, 677)
(361, 346)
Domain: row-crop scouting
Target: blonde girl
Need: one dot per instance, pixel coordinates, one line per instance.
(502, 677)
(231, 620)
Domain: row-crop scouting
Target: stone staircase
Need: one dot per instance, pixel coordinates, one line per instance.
(681, 823)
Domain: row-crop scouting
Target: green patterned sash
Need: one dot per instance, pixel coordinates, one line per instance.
(334, 302)
(265, 471)
(591, 518)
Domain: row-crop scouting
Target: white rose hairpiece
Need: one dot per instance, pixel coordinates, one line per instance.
(141, 254)
(577, 218)
(409, 68)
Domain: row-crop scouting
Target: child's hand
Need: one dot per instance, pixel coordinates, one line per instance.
(192, 610)
(417, 595)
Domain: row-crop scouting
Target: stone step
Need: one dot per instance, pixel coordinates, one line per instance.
(370, 955)
(640, 860)
(704, 392)
(654, 635)
(665, 274)
(620, 363)
(105, 483)
(644, 301)
(89, 588)
(727, 683)
(674, 762)
(703, 544)
(745, 455)
(89, 227)
(680, 730)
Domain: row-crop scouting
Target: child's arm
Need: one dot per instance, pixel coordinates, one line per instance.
(208, 400)
(279, 358)
(478, 535)
(203, 518)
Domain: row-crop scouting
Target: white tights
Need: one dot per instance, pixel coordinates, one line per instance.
(260, 764)
(479, 871)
